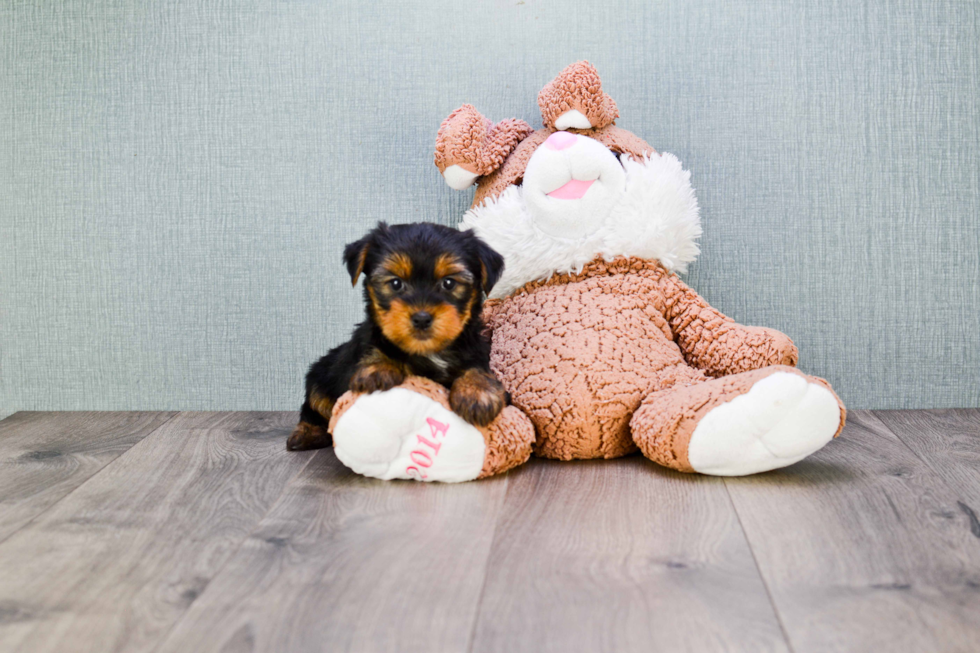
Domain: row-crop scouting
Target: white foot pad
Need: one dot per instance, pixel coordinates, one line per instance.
(781, 420)
(402, 434)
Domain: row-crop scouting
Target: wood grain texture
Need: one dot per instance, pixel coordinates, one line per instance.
(864, 548)
(44, 456)
(113, 565)
(621, 556)
(948, 441)
(347, 563)
(206, 535)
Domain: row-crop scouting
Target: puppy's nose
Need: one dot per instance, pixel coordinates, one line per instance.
(422, 320)
(560, 140)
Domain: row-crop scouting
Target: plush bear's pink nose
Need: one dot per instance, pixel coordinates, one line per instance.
(561, 140)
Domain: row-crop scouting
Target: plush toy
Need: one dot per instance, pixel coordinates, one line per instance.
(603, 348)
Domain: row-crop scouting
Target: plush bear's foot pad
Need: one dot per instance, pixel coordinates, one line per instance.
(782, 419)
(409, 432)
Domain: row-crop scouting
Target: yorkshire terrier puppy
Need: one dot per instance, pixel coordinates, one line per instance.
(423, 296)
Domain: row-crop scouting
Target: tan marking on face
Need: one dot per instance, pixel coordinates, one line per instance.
(398, 264)
(375, 308)
(396, 325)
(447, 324)
(447, 265)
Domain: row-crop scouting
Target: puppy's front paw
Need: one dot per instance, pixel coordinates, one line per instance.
(477, 397)
(307, 436)
(376, 377)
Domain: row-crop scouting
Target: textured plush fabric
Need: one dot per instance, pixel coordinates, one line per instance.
(580, 352)
(508, 438)
(652, 213)
(178, 179)
(663, 425)
(577, 88)
(468, 139)
(593, 321)
(616, 139)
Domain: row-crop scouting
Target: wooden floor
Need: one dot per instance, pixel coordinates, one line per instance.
(183, 532)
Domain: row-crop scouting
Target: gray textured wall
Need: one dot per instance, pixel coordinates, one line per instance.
(177, 179)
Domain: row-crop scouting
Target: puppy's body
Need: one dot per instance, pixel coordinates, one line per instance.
(423, 296)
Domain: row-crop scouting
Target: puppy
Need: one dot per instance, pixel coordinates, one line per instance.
(423, 296)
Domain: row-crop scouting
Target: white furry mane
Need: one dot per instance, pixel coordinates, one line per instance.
(657, 217)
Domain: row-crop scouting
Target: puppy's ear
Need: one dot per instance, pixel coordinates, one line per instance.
(355, 254)
(491, 265)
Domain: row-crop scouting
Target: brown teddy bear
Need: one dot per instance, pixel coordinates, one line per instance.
(599, 342)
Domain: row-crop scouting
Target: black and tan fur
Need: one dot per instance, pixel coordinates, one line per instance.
(423, 295)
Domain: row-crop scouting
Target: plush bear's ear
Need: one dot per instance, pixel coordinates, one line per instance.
(356, 253)
(575, 100)
(469, 146)
(491, 265)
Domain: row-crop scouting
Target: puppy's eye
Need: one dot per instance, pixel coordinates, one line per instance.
(396, 284)
(448, 284)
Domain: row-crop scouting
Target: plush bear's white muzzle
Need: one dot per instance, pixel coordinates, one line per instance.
(570, 185)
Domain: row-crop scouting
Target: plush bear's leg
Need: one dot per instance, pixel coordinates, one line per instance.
(739, 424)
(410, 432)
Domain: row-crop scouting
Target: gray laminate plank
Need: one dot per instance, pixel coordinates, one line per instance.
(948, 441)
(863, 547)
(113, 565)
(347, 563)
(621, 556)
(44, 456)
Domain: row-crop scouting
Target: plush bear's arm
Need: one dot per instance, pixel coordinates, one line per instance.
(715, 343)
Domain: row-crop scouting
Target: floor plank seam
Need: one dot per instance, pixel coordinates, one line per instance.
(486, 568)
(928, 465)
(86, 481)
(876, 529)
(758, 569)
(165, 636)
